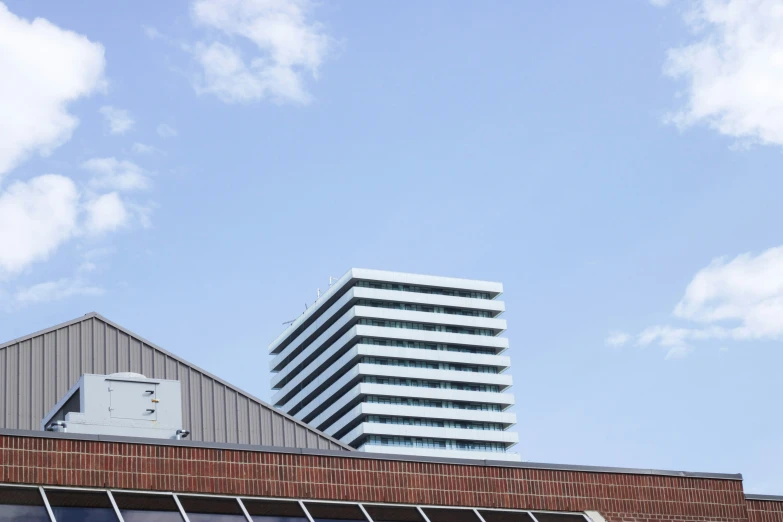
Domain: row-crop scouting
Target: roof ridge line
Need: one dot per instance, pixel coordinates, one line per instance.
(50, 329)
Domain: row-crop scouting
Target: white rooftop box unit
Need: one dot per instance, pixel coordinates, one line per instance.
(126, 404)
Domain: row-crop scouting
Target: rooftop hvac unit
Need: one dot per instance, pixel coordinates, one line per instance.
(126, 404)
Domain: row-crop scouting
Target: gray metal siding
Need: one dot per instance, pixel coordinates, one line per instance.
(40, 369)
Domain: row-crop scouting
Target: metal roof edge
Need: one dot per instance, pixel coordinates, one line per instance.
(377, 456)
(50, 329)
(768, 498)
(96, 315)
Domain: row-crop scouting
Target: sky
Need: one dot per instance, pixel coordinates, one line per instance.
(196, 170)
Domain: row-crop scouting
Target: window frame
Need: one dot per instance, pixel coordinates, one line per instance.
(301, 502)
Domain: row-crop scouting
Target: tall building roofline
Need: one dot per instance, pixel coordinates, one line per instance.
(354, 274)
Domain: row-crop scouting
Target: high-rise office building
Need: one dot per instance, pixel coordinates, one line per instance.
(399, 363)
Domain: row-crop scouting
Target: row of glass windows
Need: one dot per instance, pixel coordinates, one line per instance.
(426, 346)
(430, 365)
(423, 308)
(423, 289)
(435, 423)
(426, 442)
(426, 327)
(423, 383)
(72, 505)
(429, 403)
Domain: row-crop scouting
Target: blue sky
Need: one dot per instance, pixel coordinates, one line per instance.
(196, 170)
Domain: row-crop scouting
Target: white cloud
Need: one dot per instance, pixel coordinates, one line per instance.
(40, 215)
(617, 339)
(747, 290)
(166, 131)
(55, 290)
(119, 120)
(739, 299)
(733, 70)
(141, 148)
(113, 174)
(660, 3)
(288, 47)
(36, 217)
(43, 69)
(105, 213)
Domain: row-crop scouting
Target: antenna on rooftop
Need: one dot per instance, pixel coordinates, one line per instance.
(319, 294)
(332, 280)
(289, 322)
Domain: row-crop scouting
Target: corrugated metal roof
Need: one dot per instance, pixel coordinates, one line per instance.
(36, 370)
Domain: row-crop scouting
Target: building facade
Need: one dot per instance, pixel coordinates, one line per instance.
(398, 363)
(63, 477)
(277, 475)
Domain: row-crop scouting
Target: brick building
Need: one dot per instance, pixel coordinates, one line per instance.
(302, 478)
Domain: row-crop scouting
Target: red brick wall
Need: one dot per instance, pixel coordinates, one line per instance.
(618, 497)
(765, 511)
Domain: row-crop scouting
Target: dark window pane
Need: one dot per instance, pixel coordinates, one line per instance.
(450, 515)
(333, 512)
(393, 513)
(22, 504)
(136, 507)
(272, 511)
(81, 506)
(209, 509)
(505, 516)
(558, 517)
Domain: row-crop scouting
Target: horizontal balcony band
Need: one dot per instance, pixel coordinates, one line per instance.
(288, 380)
(508, 438)
(285, 359)
(359, 412)
(445, 453)
(410, 316)
(356, 394)
(308, 403)
(328, 373)
(493, 306)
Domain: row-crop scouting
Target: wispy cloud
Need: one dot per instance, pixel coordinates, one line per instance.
(151, 32)
(166, 131)
(113, 174)
(738, 299)
(141, 148)
(617, 339)
(55, 291)
(733, 71)
(288, 47)
(119, 120)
